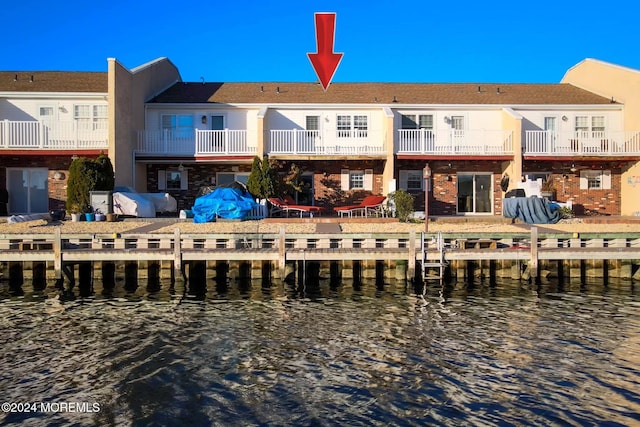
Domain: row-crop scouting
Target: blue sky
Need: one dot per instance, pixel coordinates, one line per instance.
(382, 41)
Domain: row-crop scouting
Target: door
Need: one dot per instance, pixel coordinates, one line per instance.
(28, 190)
(218, 142)
(550, 133)
(312, 124)
(457, 134)
(474, 193)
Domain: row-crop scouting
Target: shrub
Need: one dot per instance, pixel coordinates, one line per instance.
(403, 202)
(262, 182)
(86, 175)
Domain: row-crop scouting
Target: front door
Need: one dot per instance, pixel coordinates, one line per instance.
(217, 122)
(474, 193)
(28, 190)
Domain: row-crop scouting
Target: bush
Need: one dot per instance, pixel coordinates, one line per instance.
(403, 202)
(86, 175)
(262, 182)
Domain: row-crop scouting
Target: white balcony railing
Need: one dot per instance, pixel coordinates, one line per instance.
(313, 142)
(196, 142)
(455, 142)
(584, 143)
(32, 135)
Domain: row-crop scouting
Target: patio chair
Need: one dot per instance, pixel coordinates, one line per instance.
(369, 206)
(280, 206)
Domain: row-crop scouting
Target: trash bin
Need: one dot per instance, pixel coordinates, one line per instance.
(101, 201)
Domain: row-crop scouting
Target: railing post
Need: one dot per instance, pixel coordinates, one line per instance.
(226, 141)
(165, 138)
(40, 134)
(295, 142)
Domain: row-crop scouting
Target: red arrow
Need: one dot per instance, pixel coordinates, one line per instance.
(325, 61)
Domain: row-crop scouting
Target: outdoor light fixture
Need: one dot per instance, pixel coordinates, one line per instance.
(204, 120)
(573, 168)
(565, 118)
(180, 168)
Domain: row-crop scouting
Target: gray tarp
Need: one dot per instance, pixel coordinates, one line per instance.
(532, 210)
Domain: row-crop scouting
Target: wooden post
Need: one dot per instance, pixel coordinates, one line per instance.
(281, 252)
(177, 253)
(411, 267)
(533, 264)
(57, 253)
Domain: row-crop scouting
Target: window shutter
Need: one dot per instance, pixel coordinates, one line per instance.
(162, 180)
(584, 185)
(184, 180)
(368, 179)
(344, 180)
(403, 180)
(606, 179)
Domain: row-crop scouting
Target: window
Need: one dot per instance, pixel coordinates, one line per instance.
(343, 125)
(582, 124)
(90, 117)
(597, 124)
(421, 121)
(360, 125)
(313, 122)
(595, 179)
(352, 126)
(457, 122)
(82, 116)
(172, 179)
(411, 180)
(593, 124)
(180, 125)
(356, 179)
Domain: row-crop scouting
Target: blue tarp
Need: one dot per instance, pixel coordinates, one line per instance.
(223, 202)
(532, 210)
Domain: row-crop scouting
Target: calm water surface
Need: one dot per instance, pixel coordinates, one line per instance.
(505, 354)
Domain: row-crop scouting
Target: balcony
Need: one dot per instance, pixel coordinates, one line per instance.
(33, 135)
(582, 143)
(336, 142)
(456, 142)
(196, 143)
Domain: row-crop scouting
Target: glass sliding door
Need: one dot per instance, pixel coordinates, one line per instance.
(474, 193)
(28, 190)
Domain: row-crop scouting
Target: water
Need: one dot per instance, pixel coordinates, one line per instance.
(504, 354)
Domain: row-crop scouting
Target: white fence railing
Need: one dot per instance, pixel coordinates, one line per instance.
(196, 142)
(455, 142)
(582, 143)
(313, 142)
(26, 135)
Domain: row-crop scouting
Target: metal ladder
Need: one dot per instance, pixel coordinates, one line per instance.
(440, 264)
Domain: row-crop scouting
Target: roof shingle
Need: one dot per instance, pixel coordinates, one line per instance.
(53, 81)
(383, 93)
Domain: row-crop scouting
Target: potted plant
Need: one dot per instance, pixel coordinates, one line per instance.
(89, 215)
(548, 189)
(76, 212)
(100, 216)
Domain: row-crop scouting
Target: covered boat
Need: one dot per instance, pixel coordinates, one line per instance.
(226, 201)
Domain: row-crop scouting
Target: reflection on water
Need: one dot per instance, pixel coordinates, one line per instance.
(255, 353)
